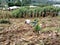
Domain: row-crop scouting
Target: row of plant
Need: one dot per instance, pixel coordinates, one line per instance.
(26, 11)
(35, 12)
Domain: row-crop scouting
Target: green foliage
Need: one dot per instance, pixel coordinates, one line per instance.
(34, 12)
(19, 12)
(26, 2)
(26, 11)
(11, 4)
(4, 21)
(51, 8)
(37, 28)
(18, 3)
(15, 14)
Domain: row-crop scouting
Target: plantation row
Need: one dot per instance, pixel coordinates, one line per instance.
(36, 12)
(26, 11)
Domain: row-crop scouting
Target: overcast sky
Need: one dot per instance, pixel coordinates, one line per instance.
(54, 0)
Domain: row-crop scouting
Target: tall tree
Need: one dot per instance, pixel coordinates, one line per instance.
(3, 4)
(18, 3)
(26, 2)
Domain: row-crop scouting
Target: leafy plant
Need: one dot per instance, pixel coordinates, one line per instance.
(11, 4)
(15, 13)
(18, 3)
(37, 28)
(26, 11)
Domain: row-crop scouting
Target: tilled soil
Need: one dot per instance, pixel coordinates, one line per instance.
(19, 33)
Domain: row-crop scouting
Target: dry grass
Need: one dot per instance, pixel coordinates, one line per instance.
(5, 14)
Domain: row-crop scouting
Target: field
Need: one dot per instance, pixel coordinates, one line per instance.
(19, 33)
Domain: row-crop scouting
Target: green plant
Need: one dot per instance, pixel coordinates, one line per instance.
(11, 4)
(26, 11)
(18, 3)
(15, 13)
(37, 28)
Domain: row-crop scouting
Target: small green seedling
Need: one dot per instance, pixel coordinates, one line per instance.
(37, 28)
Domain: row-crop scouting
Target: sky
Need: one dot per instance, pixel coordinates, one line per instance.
(54, 0)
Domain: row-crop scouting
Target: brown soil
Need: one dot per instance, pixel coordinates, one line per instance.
(19, 33)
